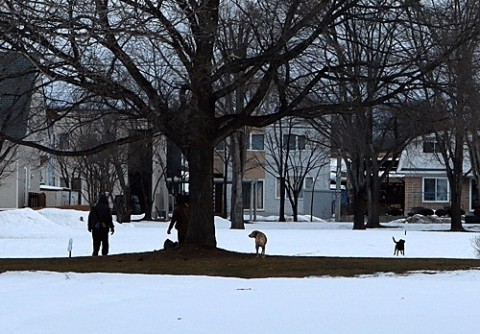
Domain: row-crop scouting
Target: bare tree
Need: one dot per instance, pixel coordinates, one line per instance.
(234, 40)
(157, 62)
(453, 93)
(277, 162)
(159, 169)
(292, 152)
(371, 50)
(367, 49)
(98, 170)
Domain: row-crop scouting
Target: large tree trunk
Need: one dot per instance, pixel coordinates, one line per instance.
(237, 177)
(455, 213)
(456, 185)
(359, 200)
(201, 232)
(295, 208)
(374, 197)
(464, 91)
(358, 180)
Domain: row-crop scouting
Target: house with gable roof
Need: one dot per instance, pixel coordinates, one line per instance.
(18, 166)
(426, 182)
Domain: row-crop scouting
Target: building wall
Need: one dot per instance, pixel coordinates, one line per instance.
(414, 195)
(255, 170)
(12, 191)
(22, 177)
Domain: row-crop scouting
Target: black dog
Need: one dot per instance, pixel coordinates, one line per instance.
(399, 247)
(169, 244)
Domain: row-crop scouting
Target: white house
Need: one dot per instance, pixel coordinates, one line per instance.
(426, 183)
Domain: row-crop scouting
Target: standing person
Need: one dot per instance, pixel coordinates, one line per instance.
(180, 218)
(99, 222)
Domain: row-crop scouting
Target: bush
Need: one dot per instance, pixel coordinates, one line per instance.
(442, 212)
(476, 212)
(421, 211)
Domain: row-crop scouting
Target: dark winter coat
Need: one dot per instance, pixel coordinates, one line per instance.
(100, 216)
(180, 221)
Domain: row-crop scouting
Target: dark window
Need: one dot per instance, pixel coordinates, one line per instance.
(257, 142)
(294, 142)
(435, 190)
(301, 142)
(220, 146)
(431, 147)
(248, 193)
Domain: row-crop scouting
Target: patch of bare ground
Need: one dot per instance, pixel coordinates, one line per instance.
(219, 262)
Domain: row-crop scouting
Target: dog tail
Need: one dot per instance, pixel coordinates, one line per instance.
(395, 241)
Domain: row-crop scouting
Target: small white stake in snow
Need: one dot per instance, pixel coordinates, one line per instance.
(70, 246)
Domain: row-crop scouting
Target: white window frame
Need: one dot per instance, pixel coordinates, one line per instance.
(293, 140)
(437, 193)
(250, 142)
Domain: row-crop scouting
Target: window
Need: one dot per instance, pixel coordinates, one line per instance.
(301, 142)
(435, 190)
(294, 142)
(77, 184)
(63, 182)
(309, 183)
(277, 187)
(255, 189)
(220, 146)
(256, 142)
(431, 147)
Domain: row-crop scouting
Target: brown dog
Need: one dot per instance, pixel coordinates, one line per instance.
(260, 241)
(399, 247)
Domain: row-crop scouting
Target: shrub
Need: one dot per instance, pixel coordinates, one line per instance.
(442, 212)
(419, 210)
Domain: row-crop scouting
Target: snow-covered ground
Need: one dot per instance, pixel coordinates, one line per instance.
(44, 302)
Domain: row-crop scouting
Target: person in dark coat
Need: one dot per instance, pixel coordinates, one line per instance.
(99, 223)
(180, 219)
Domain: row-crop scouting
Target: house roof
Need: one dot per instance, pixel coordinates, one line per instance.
(415, 162)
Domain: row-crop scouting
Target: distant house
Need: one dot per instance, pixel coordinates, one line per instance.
(261, 191)
(34, 179)
(138, 165)
(18, 170)
(426, 182)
